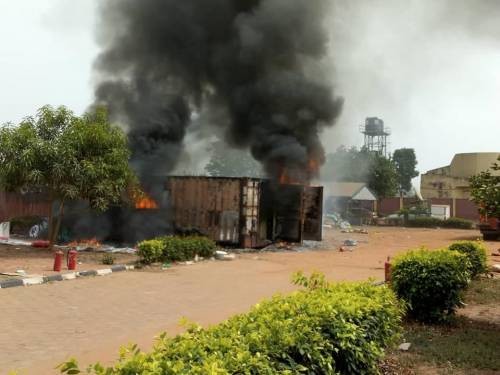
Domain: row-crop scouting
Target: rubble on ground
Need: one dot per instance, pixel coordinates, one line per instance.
(223, 255)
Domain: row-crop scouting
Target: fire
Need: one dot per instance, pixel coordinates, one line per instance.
(284, 177)
(313, 167)
(303, 177)
(146, 203)
(90, 242)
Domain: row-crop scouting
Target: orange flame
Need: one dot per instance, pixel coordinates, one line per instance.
(146, 203)
(296, 177)
(90, 242)
(313, 167)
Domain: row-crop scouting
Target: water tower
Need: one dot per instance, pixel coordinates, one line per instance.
(375, 135)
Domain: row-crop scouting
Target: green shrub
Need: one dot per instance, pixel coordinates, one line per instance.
(150, 251)
(424, 222)
(325, 329)
(434, 222)
(476, 254)
(108, 259)
(430, 282)
(457, 223)
(186, 248)
(175, 248)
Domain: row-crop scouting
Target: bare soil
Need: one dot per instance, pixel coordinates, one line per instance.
(90, 318)
(40, 261)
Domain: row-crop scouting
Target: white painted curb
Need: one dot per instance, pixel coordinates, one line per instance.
(33, 281)
(105, 271)
(69, 276)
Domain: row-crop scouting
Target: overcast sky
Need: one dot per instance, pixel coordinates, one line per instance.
(429, 68)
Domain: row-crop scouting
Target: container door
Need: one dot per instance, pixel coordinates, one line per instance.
(287, 206)
(313, 213)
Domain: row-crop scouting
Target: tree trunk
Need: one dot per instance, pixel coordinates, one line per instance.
(54, 227)
(51, 223)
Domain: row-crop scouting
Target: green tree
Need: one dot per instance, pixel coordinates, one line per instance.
(383, 178)
(353, 165)
(406, 163)
(68, 158)
(485, 191)
(230, 162)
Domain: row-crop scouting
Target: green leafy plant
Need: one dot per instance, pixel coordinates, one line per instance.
(425, 222)
(434, 222)
(476, 255)
(325, 329)
(485, 190)
(67, 158)
(457, 223)
(108, 259)
(431, 282)
(150, 251)
(175, 248)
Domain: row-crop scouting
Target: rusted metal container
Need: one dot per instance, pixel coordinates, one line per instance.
(245, 212)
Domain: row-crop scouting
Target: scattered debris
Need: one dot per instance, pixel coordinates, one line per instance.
(404, 346)
(344, 248)
(360, 230)
(495, 268)
(350, 242)
(222, 255)
(335, 219)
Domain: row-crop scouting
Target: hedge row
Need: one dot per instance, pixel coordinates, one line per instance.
(432, 282)
(175, 248)
(324, 329)
(432, 222)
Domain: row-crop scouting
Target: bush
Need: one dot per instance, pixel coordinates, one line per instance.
(425, 222)
(175, 248)
(434, 222)
(150, 251)
(108, 259)
(476, 254)
(325, 329)
(457, 223)
(430, 282)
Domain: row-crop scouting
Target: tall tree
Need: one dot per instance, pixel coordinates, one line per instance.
(383, 179)
(353, 165)
(405, 161)
(67, 157)
(231, 162)
(485, 191)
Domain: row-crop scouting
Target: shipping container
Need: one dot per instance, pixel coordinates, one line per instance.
(247, 212)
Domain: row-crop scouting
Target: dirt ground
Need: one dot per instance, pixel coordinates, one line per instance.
(90, 318)
(40, 261)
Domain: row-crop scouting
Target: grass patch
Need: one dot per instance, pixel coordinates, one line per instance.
(464, 345)
(483, 291)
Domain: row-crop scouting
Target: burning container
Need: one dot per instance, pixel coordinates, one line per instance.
(247, 212)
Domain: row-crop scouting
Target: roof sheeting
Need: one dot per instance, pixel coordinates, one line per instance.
(353, 190)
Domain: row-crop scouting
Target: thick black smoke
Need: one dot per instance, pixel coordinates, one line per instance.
(162, 59)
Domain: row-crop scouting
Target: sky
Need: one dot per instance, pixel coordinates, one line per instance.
(428, 68)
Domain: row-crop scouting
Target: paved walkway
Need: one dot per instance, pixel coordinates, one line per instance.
(90, 318)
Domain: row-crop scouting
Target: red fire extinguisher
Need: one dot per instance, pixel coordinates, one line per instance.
(387, 270)
(72, 255)
(58, 257)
